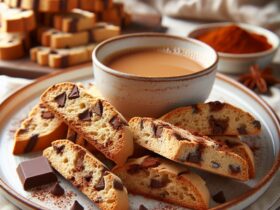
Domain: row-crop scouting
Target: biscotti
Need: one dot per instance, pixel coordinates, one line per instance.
(12, 45)
(214, 118)
(93, 118)
(76, 20)
(184, 147)
(38, 130)
(164, 180)
(88, 174)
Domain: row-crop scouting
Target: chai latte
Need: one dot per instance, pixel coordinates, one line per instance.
(153, 62)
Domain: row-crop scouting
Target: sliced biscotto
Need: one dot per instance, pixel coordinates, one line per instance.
(242, 149)
(88, 174)
(164, 180)
(93, 118)
(214, 118)
(38, 130)
(184, 147)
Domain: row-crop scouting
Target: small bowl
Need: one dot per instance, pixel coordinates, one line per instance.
(153, 96)
(240, 63)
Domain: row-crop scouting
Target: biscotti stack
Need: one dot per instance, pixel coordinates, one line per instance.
(64, 33)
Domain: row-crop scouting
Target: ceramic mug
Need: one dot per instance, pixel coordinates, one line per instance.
(135, 95)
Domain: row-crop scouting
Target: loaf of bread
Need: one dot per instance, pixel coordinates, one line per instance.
(184, 147)
(88, 174)
(38, 130)
(164, 180)
(214, 118)
(93, 118)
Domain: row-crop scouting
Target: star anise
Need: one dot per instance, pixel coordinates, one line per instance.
(259, 79)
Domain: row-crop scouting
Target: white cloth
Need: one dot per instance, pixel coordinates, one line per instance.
(270, 200)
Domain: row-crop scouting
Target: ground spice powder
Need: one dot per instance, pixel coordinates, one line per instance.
(233, 39)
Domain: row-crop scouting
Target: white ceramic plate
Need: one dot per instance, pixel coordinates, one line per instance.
(238, 194)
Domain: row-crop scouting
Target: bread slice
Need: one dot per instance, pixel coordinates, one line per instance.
(88, 174)
(214, 118)
(242, 149)
(184, 147)
(164, 180)
(38, 130)
(93, 118)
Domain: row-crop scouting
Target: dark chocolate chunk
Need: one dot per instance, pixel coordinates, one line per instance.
(257, 124)
(195, 157)
(35, 172)
(142, 124)
(231, 144)
(98, 200)
(219, 197)
(85, 115)
(58, 149)
(98, 108)
(76, 206)
(218, 126)
(74, 93)
(150, 162)
(134, 169)
(142, 207)
(216, 106)
(183, 172)
(234, 169)
(60, 99)
(31, 143)
(73, 137)
(158, 131)
(57, 190)
(117, 185)
(43, 106)
(179, 137)
(195, 109)
(47, 115)
(88, 177)
(117, 123)
(157, 183)
(215, 164)
(79, 163)
(100, 185)
(242, 129)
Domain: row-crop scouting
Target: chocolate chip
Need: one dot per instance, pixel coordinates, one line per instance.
(215, 164)
(142, 124)
(98, 108)
(47, 115)
(142, 207)
(157, 131)
(74, 93)
(231, 144)
(88, 177)
(179, 137)
(134, 169)
(242, 129)
(43, 106)
(79, 163)
(216, 106)
(60, 99)
(100, 185)
(257, 124)
(234, 169)
(195, 157)
(219, 197)
(85, 115)
(150, 162)
(10, 41)
(116, 122)
(98, 200)
(195, 109)
(57, 190)
(218, 126)
(76, 206)
(31, 143)
(183, 172)
(59, 149)
(157, 183)
(117, 185)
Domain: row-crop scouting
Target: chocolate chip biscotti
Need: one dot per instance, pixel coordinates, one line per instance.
(184, 147)
(214, 118)
(38, 130)
(93, 118)
(164, 180)
(88, 174)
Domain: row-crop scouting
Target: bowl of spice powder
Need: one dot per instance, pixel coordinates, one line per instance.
(238, 45)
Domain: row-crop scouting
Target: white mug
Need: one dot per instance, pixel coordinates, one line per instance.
(134, 95)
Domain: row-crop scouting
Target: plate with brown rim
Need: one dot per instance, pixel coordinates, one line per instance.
(238, 194)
